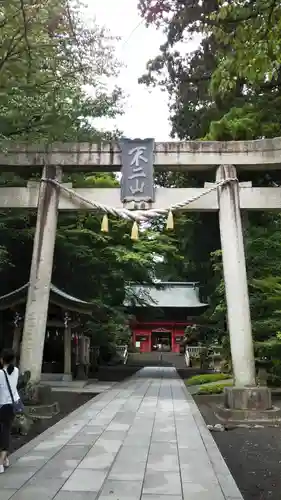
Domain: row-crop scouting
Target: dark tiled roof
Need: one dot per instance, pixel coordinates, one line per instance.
(57, 297)
(169, 294)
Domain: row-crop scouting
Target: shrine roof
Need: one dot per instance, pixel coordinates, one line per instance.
(57, 297)
(184, 295)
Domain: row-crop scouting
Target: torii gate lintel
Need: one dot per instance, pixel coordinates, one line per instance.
(260, 154)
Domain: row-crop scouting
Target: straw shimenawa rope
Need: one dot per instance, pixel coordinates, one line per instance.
(137, 216)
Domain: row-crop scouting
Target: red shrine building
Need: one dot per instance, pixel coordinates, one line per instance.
(162, 313)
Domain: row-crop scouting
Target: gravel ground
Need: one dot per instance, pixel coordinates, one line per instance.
(68, 402)
(252, 455)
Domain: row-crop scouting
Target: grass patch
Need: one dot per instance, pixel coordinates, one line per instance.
(214, 389)
(206, 379)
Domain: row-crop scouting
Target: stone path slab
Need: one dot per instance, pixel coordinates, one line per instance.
(143, 439)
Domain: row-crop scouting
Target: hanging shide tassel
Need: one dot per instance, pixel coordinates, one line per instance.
(170, 220)
(135, 231)
(104, 224)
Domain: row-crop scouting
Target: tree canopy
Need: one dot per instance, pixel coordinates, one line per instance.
(49, 57)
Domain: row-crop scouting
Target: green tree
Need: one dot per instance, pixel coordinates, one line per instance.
(187, 76)
(249, 33)
(49, 58)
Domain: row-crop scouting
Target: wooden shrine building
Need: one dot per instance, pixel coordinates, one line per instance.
(63, 333)
(162, 313)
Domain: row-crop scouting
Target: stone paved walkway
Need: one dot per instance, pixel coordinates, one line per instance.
(143, 439)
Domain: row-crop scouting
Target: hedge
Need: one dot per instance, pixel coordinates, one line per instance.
(207, 378)
(213, 389)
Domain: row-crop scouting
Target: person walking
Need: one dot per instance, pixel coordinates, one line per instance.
(9, 375)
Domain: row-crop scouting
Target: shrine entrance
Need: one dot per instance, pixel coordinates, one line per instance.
(163, 318)
(140, 202)
(161, 340)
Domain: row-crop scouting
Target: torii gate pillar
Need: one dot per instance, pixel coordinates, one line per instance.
(245, 394)
(40, 275)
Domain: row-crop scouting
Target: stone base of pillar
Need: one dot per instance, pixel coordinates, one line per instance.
(247, 398)
(248, 404)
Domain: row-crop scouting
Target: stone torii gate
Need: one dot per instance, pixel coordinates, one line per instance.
(227, 198)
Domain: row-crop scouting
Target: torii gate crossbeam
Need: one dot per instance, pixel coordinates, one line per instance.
(190, 155)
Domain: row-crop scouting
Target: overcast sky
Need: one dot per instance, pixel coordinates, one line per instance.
(146, 111)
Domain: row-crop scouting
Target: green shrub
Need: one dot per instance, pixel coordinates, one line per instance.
(207, 378)
(214, 389)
